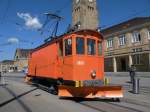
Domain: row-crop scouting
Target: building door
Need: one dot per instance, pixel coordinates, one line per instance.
(123, 64)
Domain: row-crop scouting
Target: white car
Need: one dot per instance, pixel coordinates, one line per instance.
(10, 70)
(26, 70)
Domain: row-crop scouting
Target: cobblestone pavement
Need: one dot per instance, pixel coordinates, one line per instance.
(17, 96)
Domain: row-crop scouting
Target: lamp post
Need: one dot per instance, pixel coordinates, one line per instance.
(1, 67)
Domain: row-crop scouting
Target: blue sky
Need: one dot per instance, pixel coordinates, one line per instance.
(20, 19)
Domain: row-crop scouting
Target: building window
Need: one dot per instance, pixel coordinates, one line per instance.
(77, 9)
(136, 37)
(79, 45)
(137, 50)
(17, 57)
(68, 46)
(91, 47)
(149, 34)
(137, 59)
(122, 40)
(109, 43)
(90, 8)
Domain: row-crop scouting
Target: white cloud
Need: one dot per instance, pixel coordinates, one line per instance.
(30, 22)
(13, 40)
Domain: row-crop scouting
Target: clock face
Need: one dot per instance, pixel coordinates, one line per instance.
(77, 1)
(90, 0)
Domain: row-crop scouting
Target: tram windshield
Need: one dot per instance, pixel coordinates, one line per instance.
(79, 45)
(91, 50)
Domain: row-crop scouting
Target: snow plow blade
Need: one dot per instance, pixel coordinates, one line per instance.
(91, 92)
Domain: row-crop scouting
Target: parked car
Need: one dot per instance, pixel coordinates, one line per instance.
(10, 70)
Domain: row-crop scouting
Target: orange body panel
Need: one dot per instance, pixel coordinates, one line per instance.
(83, 66)
(45, 61)
(42, 62)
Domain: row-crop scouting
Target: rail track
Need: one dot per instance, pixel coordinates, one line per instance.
(107, 105)
(110, 106)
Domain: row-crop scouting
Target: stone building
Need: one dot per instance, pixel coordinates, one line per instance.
(7, 66)
(85, 12)
(21, 59)
(128, 43)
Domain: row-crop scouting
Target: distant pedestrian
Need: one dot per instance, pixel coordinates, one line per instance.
(132, 71)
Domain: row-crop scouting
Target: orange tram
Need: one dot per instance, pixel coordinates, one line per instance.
(73, 65)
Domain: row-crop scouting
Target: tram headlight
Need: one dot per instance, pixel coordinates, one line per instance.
(93, 73)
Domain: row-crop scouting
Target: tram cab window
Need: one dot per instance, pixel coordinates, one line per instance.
(91, 47)
(99, 48)
(68, 46)
(80, 45)
(60, 50)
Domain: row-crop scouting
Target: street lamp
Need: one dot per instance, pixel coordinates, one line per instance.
(1, 64)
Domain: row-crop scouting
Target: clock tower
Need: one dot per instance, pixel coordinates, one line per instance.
(85, 12)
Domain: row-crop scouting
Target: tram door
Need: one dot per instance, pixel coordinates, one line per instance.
(60, 58)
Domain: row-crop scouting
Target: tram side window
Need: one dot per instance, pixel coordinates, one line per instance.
(91, 46)
(68, 46)
(60, 51)
(99, 48)
(79, 45)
